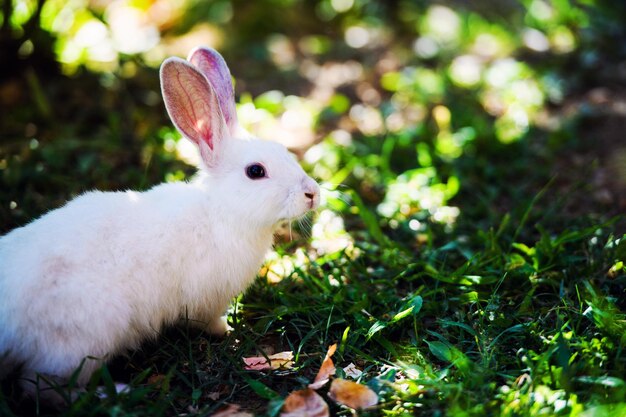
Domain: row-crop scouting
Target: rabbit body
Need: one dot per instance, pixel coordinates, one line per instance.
(108, 270)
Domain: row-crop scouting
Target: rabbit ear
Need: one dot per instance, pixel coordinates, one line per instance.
(193, 107)
(211, 64)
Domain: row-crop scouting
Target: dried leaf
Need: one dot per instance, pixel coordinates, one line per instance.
(304, 403)
(353, 395)
(221, 390)
(156, 379)
(326, 370)
(352, 371)
(282, 360)
(231, 410)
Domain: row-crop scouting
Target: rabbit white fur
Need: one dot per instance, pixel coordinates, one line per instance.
(109, 269)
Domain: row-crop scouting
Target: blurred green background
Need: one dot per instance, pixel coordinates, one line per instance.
(411, 103)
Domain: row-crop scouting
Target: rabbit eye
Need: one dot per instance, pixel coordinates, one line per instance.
(255, 171)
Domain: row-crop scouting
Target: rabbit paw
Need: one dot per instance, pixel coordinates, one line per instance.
(219, 326)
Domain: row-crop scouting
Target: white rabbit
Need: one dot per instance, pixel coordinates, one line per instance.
(109, 269)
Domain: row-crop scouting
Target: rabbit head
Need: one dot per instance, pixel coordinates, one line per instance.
(255, 179)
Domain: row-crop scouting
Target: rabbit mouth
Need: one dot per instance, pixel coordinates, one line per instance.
(294, 217)
(297, 213)
(300, 200)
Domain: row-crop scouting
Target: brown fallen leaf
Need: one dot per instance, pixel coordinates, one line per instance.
(282, 360)
(352, 371)
(326, 370)
(231, 410)
(156, 379)
(220, 390)
(353, 395)
(304, 403)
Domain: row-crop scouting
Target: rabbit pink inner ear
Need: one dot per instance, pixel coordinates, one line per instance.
(211, 64)
(191, 103)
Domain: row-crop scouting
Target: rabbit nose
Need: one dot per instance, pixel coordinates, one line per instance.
(311, 192)
(311, 200)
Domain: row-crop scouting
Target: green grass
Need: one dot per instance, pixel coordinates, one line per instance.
(520, 317)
